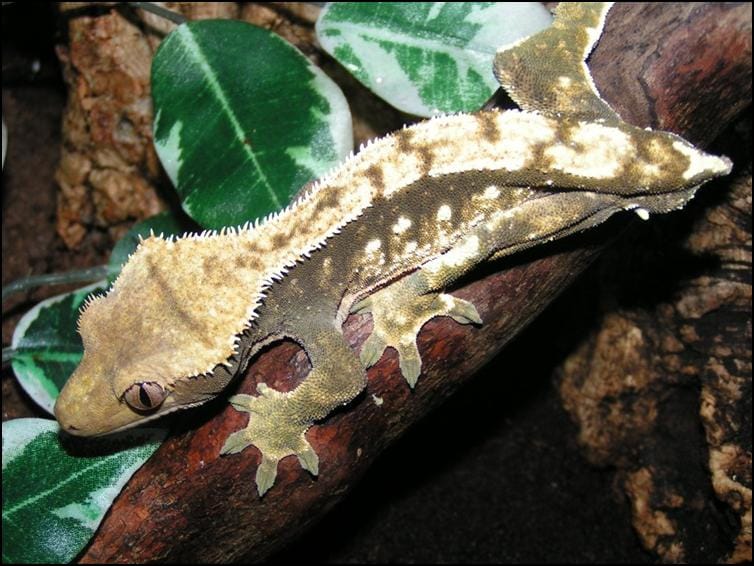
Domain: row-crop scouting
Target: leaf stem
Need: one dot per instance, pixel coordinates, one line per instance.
(174, 17)
(8, 354)
(90, 274)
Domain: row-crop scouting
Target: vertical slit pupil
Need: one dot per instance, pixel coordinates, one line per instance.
(144, 397)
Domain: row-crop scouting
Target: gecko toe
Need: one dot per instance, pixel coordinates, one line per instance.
(372, 349)
(235, 443)
(308, 459)
(363, 306)
(241, 402)
(461, 311)
(266, 474)
(410, 362)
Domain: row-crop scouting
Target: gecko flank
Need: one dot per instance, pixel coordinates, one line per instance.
(385, 233)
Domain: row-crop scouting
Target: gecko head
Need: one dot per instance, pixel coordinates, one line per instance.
(165, 337)
(105, 395)
(96, 400)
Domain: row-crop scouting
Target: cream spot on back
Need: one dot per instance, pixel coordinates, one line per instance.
(444, 213)
(651, 170)
(491, 192)
(327, 267)
(402, 225)
(595, 151)
(372, 246)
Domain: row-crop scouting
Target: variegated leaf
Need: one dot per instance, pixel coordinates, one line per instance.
(54, 501)
(426, 58)
(242, 120)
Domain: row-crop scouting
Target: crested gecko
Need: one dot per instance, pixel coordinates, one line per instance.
(385, 233)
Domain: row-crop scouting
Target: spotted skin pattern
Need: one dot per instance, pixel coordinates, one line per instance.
(384, 234)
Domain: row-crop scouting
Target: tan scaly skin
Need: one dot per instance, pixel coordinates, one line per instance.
(385, 233)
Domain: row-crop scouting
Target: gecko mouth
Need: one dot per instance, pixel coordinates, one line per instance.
(143, 418)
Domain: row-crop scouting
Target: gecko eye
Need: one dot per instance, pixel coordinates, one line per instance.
(145, 396)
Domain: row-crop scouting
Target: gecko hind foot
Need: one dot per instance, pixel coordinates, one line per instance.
(398, 313)
(274, 432)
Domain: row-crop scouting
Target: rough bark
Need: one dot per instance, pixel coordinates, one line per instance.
(694, 70)
(109, 174)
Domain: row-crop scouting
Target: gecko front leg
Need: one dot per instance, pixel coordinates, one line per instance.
(278, 421)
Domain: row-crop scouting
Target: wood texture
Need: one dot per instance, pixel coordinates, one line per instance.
(188, 504)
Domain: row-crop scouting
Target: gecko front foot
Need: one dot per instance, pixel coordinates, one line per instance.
(274, 431)
(398, 313)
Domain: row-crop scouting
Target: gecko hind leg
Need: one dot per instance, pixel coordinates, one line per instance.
(547, 72)
(401, 309)
(398, 313)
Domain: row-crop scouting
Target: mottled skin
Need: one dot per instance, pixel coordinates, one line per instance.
(384, 234)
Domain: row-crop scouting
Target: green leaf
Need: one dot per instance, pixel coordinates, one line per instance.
(54, 501)
(426, 58)
(165, 223)
(47, 345)
(242, 120)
